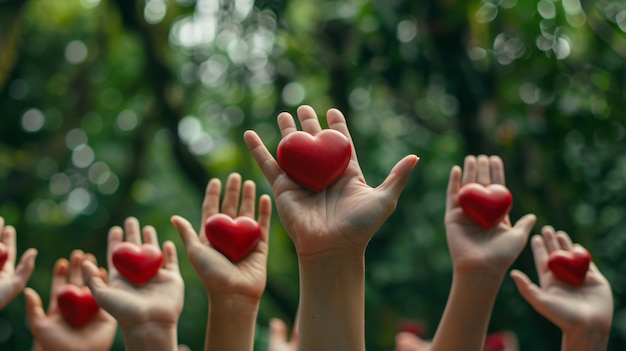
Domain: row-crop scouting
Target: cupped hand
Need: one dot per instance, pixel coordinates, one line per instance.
(474, 249)
(346, 214)
(220, 276)
(13, 279)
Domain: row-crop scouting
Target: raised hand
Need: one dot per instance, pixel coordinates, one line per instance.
(279, 339)
(234, 289)
(13, 279)
(480, 259)
(330, 230)
(345, 215)
(472, 248)
(50, 330)
(148, 314)
(583, 313)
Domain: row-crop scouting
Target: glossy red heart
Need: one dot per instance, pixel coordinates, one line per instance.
(496, 341)
(486, 205)
(138, 263)
(234, 238)
(314, 162)
(416, 327)
(4, 255)
(570, 265)
(76, 304)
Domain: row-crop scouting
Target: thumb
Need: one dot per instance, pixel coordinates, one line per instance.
(525, 225)
(26, 266)
(529, 291)
(185, 230)
(34, 309)
(397, 178)
(93, 279)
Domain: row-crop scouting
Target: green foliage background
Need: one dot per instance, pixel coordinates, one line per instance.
(124, 107)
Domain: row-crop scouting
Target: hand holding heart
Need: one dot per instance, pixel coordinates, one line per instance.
(344, 215)
(13, 279)
(235, 265)
(473, 248)
(72, 321)
(571, 308)
(134, 305)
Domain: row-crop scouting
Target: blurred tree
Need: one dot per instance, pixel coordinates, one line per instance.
(118, 108)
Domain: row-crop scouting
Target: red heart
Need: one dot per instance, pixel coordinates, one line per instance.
(138, 263)
(233, 238)
(416, 327)
(76, 304)
(570, 265)
(314, 161)
(486, 205)
(4, 255)
(496, 341)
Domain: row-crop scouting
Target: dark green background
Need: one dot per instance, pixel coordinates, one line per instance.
(122, 107)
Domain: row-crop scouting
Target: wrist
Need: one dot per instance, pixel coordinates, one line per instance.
(151, 336)
(586, 337)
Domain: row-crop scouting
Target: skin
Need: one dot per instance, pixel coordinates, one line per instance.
(583, 313)
(410, 342)
(278, 336)
(50, 330)
(480, 259)
(148, 314)
(234, 289)
(13, 279)
(330, 230)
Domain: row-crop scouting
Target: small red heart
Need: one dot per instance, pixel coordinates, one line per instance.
(314, 161)
(570, 265)
(76, 304)
(486, 205)
(4, 255)
(496, 341)
(236, 238)
(138, 263)
(416, 327)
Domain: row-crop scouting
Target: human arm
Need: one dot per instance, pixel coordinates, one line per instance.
(583, 313)
(480, 258)
(50, 330)
(13, 279)
(330, 230)
(234, 288)
(148, 314)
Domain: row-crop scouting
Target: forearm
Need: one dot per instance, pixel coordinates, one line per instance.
(231, 324)
(466, 316)
(151, 336)
(586, 338)
(331, 315)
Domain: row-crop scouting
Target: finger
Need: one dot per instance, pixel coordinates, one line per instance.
(308, 120)
(76, 261)
(278, 332)
(337, 121)
(248, 198)
(265, 216)
(453, 187)
(186, 232)
(150, 236)
(8, 238)
(262, 156)
(231, 195)
(469, 170)
(540, 255)
(564, 241)
(483, 170)
(397, 178)
(211, 203)
(183, 348)
(59, 278)
(34, 307)
(286, 124)
(496, 169)
(170, 257)
(132, 230)
(549, 237)
(116, 235)
(26, 266)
